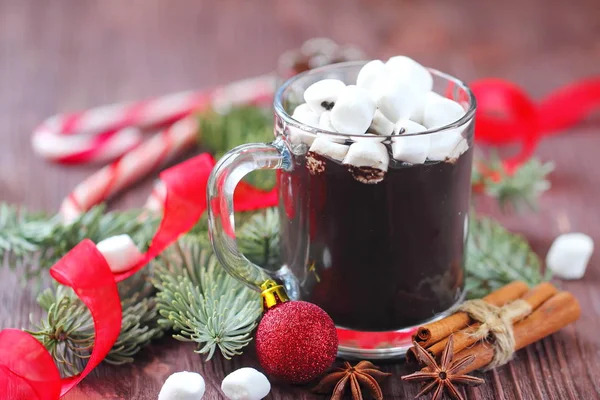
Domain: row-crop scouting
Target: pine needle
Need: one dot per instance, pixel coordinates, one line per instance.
(220, 133)
(520, 190)
(496, 257)
(202, 303)
(37, 241)
(68, 334)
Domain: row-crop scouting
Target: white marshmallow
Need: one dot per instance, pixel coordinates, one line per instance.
(304, 114)
(323, 145)
(408, 126)
(353, 110)
(417, 114)
(120, 252)
(569, 255)
(396, 99)
(447, 145)
(411, 72)
(183, 386)
(368, 161)
(245, 384)
(441, 112)
(325, 124)
(322, 95)
(411, 149)
(381, 125)
(370, 75)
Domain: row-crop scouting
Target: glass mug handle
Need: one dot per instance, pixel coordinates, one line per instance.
(225, 176)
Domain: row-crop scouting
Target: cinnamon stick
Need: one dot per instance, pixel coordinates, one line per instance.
(436, 331)
(465, 337)
(554, 314)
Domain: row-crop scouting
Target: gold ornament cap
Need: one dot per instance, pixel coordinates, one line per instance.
(272, 294)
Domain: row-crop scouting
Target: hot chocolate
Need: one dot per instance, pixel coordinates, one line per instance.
(380, 256)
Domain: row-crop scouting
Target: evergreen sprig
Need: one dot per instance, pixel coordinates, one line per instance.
(202, 303)
(68, 333)
(36, 241)
(221, 132)
(496, 257)
(518, 190)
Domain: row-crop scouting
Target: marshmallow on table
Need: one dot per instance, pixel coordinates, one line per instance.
(322, 95)
(417, 114)
(183, 386)
(368, 160)
(441, 112)
(569, 255)
(381, 125)
(412, 148)
(245, 384)
(371, 75)
(396, 99)
(353, 110)
(120, 252)
(410, 72)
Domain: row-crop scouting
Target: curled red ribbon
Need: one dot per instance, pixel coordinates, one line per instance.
(27, 370)
(506, 114)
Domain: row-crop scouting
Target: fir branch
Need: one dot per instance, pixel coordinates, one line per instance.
(68, 334)
(496, 257)
(202, 303)
(220, 133)
(519, 190)
(37, 241)
(258, 239)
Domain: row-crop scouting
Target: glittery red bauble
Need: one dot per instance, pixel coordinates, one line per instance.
(296, 342)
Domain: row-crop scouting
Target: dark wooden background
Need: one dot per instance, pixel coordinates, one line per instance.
(72, 54)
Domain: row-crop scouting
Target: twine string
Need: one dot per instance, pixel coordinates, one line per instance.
(497, 322)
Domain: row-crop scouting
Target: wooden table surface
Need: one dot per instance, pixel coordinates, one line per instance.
(73, 54)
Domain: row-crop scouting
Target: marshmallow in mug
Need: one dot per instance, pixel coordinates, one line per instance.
(322, 95)
(323, 146)
(305, 115)
(413, 149)
(381, 125)
(245, 384)
(368, 161)
(411, 72)
(120, 252)
(397, 99)
(417, 113)
(183, 386)
(353, 110)
(325, 124)
(371, 76)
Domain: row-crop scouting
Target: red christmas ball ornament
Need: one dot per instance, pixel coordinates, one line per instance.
(296, 341)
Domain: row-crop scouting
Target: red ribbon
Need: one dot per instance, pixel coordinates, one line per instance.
(27, 370)
(506, 114)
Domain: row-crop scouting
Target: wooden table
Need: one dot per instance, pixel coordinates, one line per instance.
(73, 54)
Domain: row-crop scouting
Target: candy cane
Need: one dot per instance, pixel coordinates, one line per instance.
(107, 132)
(163, 146)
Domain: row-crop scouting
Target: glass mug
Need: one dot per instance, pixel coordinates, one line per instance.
(380, 252)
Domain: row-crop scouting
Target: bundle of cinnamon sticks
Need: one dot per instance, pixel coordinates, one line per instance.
(552, 310)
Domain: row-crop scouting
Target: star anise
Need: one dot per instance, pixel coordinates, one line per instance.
(443, 376)
(362, 375)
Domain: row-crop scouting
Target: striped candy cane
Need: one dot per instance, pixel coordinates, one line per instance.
(149, 155)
